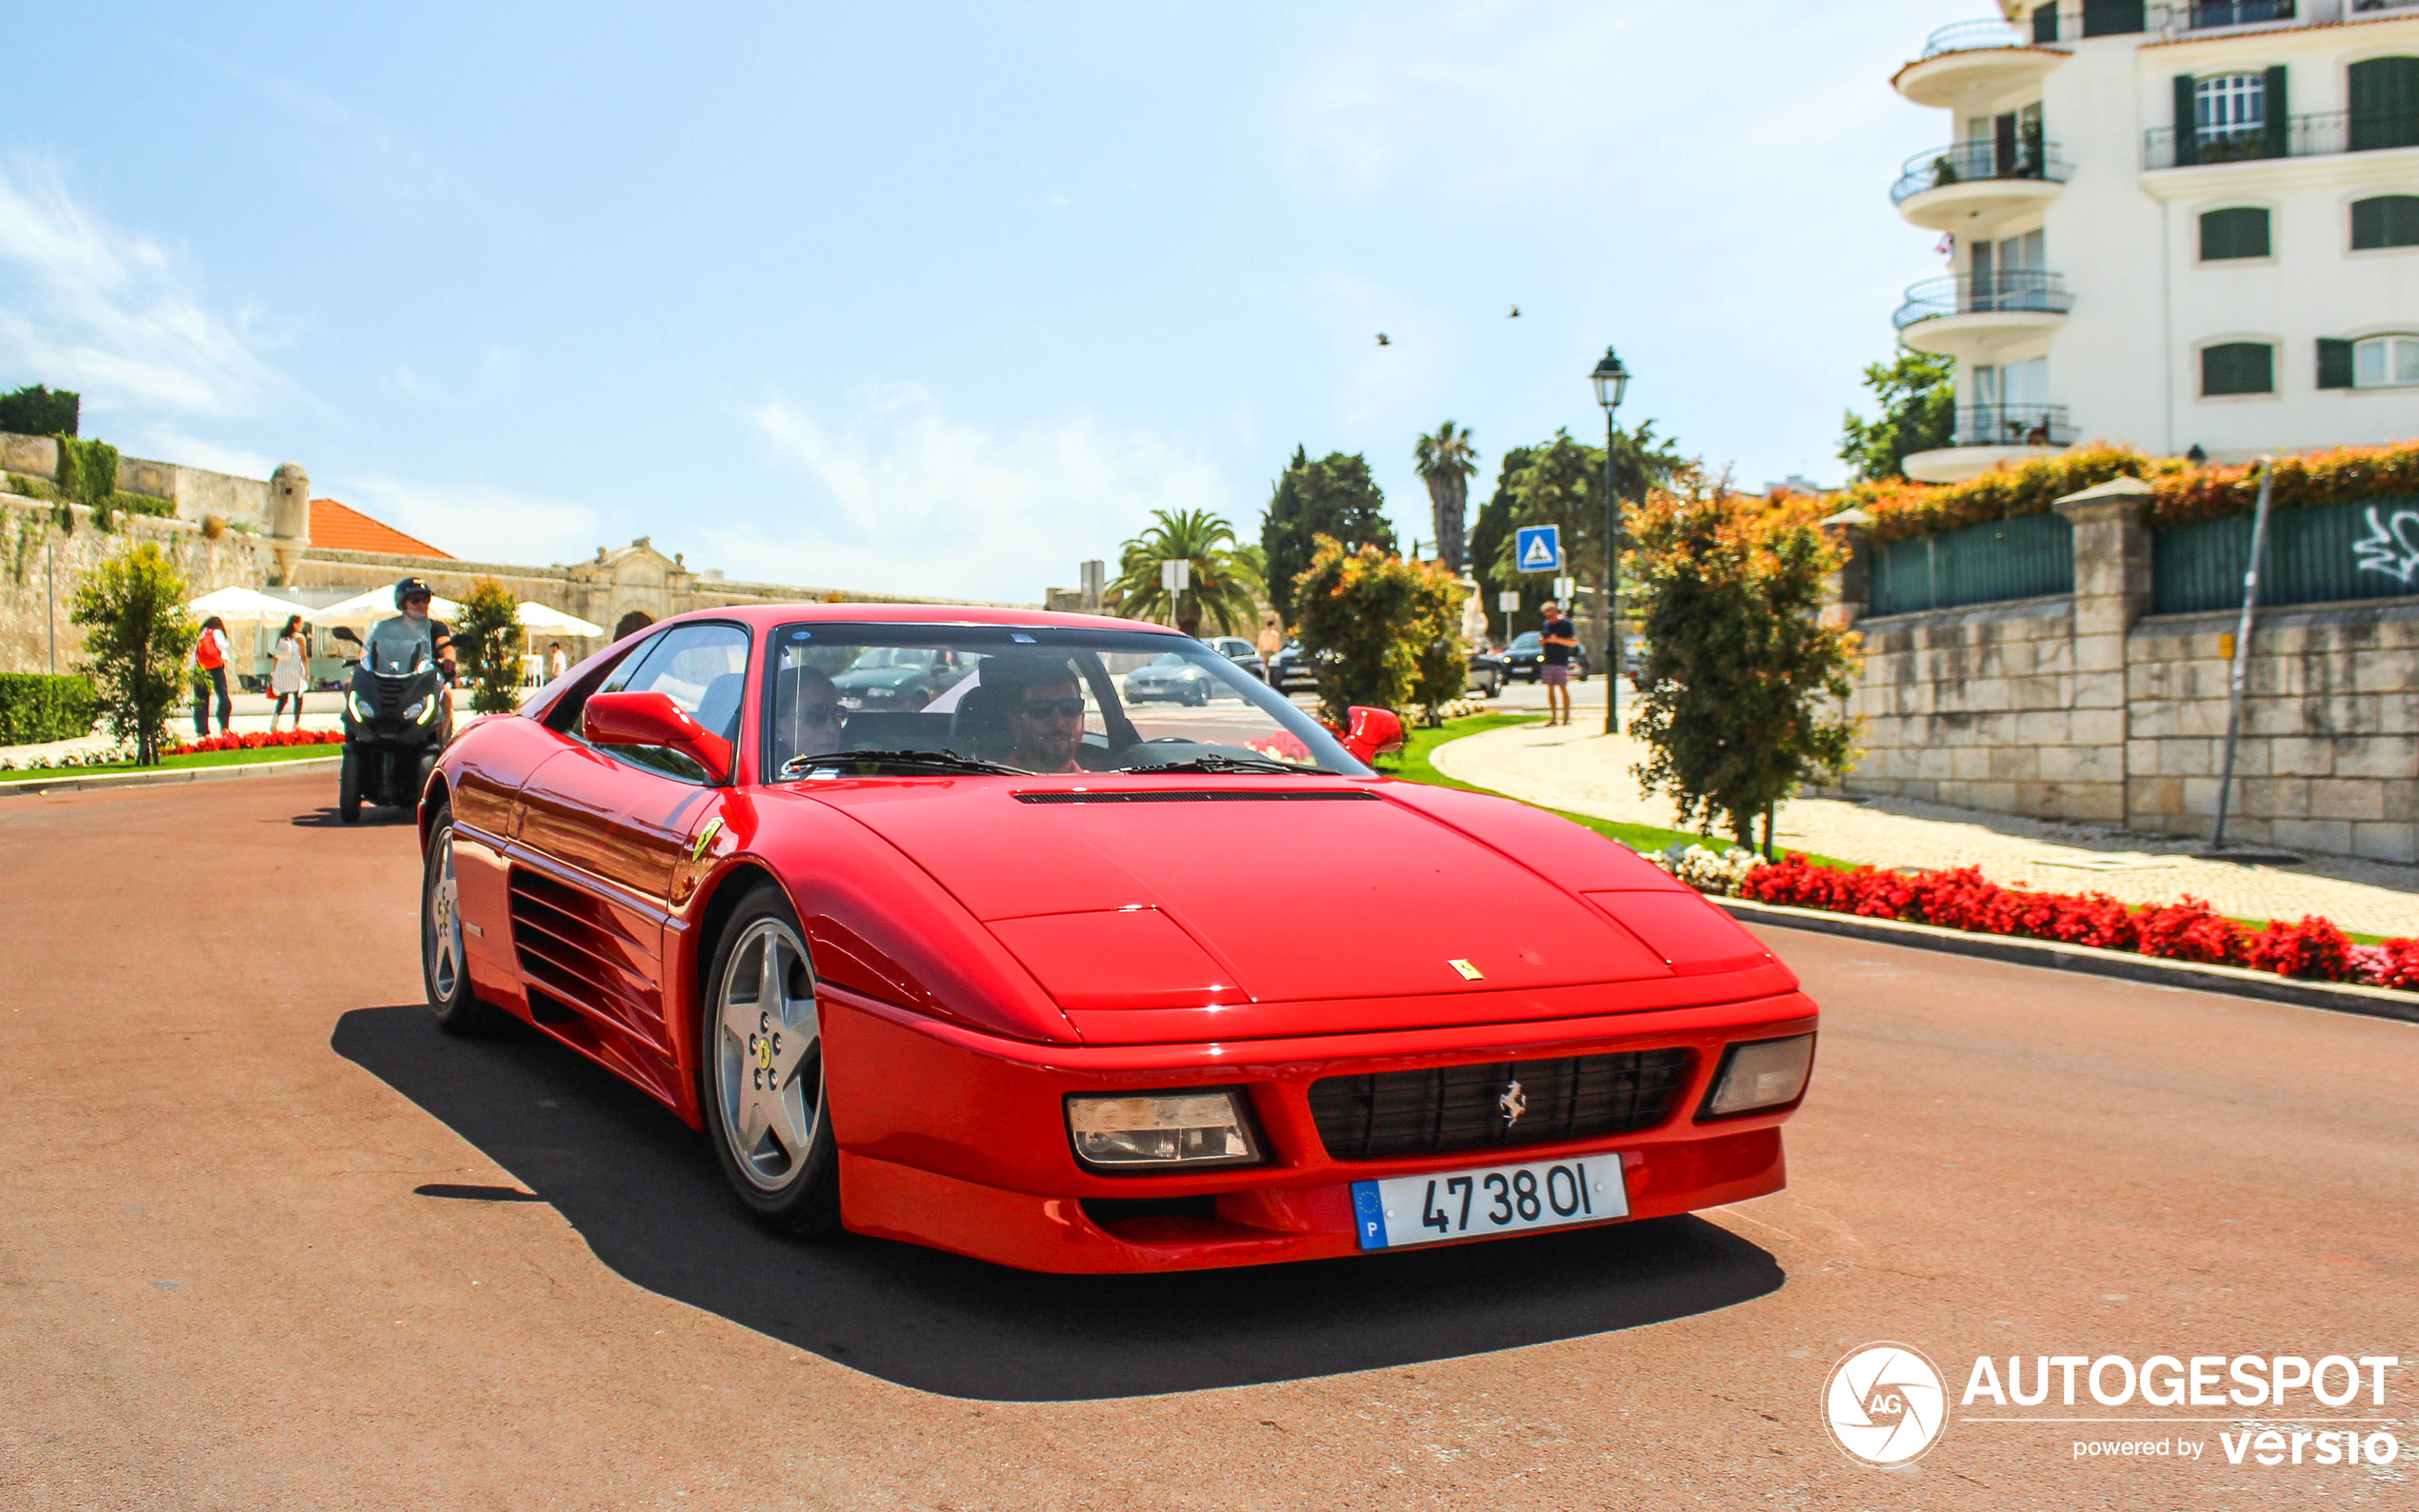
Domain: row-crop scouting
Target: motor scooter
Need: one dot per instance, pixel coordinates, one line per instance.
(398, 715)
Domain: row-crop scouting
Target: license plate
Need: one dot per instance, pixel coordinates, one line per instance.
(1406, 1210)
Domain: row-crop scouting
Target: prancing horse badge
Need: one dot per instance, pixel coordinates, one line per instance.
(1513, 1103)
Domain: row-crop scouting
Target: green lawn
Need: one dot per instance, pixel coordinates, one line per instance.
(216, 758)
(1415, 763)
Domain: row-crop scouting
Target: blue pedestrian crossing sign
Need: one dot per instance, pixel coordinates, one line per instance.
(1538, 548)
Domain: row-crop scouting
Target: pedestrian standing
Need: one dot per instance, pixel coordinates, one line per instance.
(209, 656)
(1271, 641)
(1560, 639)
(288, 659)
(556, 663)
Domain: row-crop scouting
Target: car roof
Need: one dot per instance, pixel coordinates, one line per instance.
(766, 616)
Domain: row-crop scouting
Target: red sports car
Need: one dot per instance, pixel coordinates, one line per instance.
(1036, 976)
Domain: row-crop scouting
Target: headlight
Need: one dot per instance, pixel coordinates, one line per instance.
(352, 701)
(423, 710)
(1162, 1128)
(1761, 1074)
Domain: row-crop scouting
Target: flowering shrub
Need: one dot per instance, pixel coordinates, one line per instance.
(2181, 493)
(2314, 950)
(119, 757)
(258, 741)
(1704, 869)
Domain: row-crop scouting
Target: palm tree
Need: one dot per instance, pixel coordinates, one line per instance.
(1446, 462)
(1226, 575)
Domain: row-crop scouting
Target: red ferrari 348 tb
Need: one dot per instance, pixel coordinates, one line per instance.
(941, 933)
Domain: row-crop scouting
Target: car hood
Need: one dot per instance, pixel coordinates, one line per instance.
(1254, 891)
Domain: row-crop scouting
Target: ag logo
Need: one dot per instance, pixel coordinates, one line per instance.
(1885, 1404)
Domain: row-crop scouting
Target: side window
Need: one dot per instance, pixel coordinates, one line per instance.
(2238, 367)
(703, 669)
(563, 716)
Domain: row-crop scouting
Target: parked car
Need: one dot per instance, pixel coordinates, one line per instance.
(962, 977)
(1241, 652)
(1174, 678)
(1293, 669)
(897, 677)
(1528, 652)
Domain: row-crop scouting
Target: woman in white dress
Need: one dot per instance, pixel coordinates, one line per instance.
(287, 662)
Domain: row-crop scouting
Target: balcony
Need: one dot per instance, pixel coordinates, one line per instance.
(2303, 136)
(1946, 188)
(1968, 56)
(1988, 435)
(1969, 315)
(2204, 14)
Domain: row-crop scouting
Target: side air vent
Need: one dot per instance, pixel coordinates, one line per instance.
(573, 950)
(1219, 795)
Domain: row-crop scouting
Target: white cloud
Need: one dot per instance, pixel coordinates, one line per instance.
(109, 312)
(906, 500)
(473, 521)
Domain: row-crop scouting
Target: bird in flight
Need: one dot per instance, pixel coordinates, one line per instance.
(1382, 340)
(1516, 314)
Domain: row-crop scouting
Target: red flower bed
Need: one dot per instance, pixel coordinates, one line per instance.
(2190, 930)
(260, 740)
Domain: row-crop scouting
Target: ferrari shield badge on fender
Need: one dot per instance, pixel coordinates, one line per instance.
(1469, 973)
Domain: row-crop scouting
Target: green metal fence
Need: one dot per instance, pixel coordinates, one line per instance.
(2030, 556)
(2365, 550)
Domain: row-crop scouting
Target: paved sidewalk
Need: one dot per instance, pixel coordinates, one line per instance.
(1580, 768)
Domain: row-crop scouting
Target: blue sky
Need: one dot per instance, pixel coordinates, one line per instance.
(940, 298)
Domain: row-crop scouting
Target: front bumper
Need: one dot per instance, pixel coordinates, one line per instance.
(957, 1139)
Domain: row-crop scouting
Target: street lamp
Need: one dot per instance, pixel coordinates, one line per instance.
(1611, 381)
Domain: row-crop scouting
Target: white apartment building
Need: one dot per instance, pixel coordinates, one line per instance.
(2170, 226)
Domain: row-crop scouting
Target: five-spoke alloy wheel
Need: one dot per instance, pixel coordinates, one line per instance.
(443, 968)
(763, 1066)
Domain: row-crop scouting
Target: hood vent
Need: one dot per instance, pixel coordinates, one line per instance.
(1221, 795)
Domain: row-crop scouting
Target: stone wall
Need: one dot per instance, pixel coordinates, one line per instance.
(2088, 707)
(197, 491)
(40, 565)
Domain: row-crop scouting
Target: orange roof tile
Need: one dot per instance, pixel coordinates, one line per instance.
(342, 528)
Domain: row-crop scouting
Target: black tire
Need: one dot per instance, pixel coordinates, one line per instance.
(793, 1191)
(446, 980)
(349, 787)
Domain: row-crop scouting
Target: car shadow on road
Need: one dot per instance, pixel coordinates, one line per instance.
(646, 1194)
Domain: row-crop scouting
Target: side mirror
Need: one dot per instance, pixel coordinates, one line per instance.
(653, 718)
(345, 635)
(1372, 732)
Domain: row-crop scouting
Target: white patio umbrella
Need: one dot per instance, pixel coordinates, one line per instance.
(537, 617)
(365, 609)
(245, 607)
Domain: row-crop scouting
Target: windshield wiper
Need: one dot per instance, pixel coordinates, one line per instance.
(938, 761)
(1233, 763)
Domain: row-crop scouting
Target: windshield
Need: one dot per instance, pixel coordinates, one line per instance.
(1527, 641)
(399, 645)
(1031, 700)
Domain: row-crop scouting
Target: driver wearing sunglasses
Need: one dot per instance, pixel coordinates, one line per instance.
(817, 712)
(1044, 709)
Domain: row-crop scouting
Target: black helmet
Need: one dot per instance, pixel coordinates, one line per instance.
(413, 588)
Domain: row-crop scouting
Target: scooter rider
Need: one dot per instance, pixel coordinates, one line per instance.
(411, 597)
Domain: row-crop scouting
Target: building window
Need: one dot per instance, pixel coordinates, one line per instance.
(2389, 220)
(2230, 110)
(2109, 18)
(2385, 362)
(2240, 231)
(2238, 367)
(2385, 103)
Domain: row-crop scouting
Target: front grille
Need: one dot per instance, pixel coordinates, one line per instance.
(1450, 1108)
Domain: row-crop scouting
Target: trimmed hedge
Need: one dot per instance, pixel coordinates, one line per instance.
(2181, 493)
(34, 708)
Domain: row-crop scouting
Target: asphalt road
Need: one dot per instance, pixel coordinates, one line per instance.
(268, 1241)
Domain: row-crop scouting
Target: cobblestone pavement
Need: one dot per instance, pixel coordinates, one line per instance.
(1580, 768)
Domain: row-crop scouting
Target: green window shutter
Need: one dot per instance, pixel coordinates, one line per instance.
(2385, 103)
(2188, 140)
(2110, 18)
(2238, 367)
(2334, 363)
(2278, 120)
(2238, 232)
(2045, 24)
(2389, 220)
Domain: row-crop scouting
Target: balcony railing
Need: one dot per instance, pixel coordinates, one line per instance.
(2022, 290)
(2205, 13)
(2304, 137)
(2013, 426)
(2382, 5)
(1965, 162)
(1973, 36)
